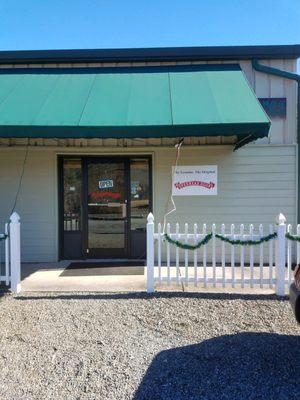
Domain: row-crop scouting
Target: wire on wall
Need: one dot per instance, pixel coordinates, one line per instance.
(21, 178)
(170, 197)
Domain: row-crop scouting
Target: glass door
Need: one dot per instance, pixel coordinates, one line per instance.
(107, 208)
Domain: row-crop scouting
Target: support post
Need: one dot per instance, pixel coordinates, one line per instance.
(280, 255)
(7, 251)
(15, 253)
(150, 253)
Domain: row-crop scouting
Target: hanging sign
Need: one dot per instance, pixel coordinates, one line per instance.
(194, 180)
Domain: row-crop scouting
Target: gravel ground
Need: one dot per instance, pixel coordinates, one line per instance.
(130, 346)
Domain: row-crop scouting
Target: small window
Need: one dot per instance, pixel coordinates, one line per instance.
(140, 193)
(72, 177)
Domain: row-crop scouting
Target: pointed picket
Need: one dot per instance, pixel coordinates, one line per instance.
(195, 255)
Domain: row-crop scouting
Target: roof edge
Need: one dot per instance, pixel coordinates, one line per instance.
(158, 54)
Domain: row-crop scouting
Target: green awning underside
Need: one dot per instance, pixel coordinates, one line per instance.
(146, 102)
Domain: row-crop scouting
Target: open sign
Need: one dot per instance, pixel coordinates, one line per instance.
(106, 183)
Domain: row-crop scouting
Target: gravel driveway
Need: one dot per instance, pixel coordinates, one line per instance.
(130, 346)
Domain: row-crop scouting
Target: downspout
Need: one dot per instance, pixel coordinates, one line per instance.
(288, 75)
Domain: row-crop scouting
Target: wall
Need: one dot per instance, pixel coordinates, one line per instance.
(37, 204)
(255, 184)
(282, 130)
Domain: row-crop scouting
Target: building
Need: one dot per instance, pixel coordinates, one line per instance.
(88, 136)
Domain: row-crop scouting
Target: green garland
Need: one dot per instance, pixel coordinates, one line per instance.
(294, 238)
(3, 237)
(247, 242)
(186, 246)
(209, 236)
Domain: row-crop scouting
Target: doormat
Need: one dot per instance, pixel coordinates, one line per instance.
(104, 268)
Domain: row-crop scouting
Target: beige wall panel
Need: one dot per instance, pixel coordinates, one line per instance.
(238, 183)
(255, 184)
(277, 89)
(291, 95)
(261, 82)
(290, 65)
(248, 71)
(37, 202)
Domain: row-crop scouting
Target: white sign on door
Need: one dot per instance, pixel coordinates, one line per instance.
(106, 183)
(194, 180)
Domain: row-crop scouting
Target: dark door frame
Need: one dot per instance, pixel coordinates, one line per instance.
(84, 220)
(106, 253)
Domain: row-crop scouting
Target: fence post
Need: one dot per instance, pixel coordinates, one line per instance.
(15, 256)
(280, 255)
(150, 253)
(6, 255)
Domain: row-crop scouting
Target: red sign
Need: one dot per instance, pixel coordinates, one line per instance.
(207, 185)
(101, 195)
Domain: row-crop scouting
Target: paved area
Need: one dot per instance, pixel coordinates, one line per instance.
(45, 277)
(49, 277)
(169, 346)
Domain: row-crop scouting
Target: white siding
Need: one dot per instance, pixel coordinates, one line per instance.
(282, 130)
(255, 184)
(37, 203)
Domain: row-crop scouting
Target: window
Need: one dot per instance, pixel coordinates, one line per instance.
(72, 180)
(140, 192)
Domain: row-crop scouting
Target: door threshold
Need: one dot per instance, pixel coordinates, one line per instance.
(102, 263)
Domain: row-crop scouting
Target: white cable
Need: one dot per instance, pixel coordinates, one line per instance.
(178, 147)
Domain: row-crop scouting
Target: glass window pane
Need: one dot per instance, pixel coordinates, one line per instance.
(72, 194)
(140, 193)
(106, 205)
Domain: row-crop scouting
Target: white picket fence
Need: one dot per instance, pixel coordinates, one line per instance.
(221, 264)
(10, 254)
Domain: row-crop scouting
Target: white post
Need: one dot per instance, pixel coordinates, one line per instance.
(280, 255)
(15, 256)
(6, 255)
(150, 253)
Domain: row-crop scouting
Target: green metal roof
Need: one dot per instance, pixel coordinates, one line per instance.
(210, 100)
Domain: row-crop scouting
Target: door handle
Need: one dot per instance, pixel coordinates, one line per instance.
(123, 205)
(124, 210)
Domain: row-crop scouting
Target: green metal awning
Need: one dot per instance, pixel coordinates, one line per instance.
(133, 102)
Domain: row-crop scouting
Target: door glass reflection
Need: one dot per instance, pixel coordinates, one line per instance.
(106, 205)
(140, 204)
(72, 178)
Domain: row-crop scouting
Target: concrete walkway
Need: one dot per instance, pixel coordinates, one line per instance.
(52, 277)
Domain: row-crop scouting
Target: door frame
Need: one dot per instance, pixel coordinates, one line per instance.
(84, 220)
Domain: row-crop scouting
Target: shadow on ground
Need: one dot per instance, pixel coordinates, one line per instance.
(242, 366)
(144, 296)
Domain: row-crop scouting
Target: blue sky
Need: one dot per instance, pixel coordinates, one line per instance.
(57, 24)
